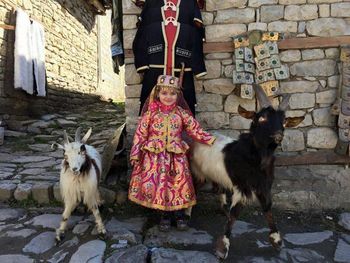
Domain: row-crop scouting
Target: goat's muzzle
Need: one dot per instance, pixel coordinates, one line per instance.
(75, 171)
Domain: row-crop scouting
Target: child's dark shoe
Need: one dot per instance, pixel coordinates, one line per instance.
(182, 224)
(164, 225)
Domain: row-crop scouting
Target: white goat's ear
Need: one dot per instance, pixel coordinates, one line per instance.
(56, 145)
(77, 134)
(86, 136)
(65, 137)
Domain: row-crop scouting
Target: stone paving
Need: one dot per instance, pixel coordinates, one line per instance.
(28, 235)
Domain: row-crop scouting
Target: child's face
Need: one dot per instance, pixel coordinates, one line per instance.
(167, 96)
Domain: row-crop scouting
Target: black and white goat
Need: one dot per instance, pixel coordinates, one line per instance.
(244, 168)
(79, 178)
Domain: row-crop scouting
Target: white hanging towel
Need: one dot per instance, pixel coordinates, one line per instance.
(23, 58)
(38, 55)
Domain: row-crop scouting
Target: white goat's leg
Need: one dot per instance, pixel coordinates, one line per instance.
(99, 224)
(65, 216)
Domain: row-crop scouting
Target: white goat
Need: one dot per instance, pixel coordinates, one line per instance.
(79, 178)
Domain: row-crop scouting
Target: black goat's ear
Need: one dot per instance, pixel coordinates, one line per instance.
(293, 121)
(245, 113)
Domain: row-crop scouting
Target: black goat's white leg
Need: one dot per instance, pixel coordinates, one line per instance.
(274, 236)
(99, 224)
(223, 242)
(65, 216)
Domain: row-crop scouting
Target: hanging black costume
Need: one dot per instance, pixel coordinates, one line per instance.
(170, 32)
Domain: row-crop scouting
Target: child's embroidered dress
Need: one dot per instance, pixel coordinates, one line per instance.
(162, 178)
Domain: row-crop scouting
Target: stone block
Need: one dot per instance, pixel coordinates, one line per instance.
(328, 27)
(129, 21)
(291, 2)
(57, 192)
(301, 12)
(42, 192)
(218, 56)
(283, 26)
(257, 26)
(340, 10)
(239, 123)
(208, 18)
(219, 86)
(324, 10)
(327, 96)
(232, 102)
(130, 8)
(293, 140)
(271, 13)
(235, 16)
(290, 56)
(322, 138)
(333, 81)
(131, 76)
(309, 54)
(213, 120)
(128, 38)
(213, 69)
(6, 191)
(133, 91)
(302, 101)
(299, 86)
(323, 117)
(209, 102)
(23, 192)
(228, 71)
(224, 33)
(213, 5)
(258, 3)
(316, 68)
(332, 53)
(132, 107)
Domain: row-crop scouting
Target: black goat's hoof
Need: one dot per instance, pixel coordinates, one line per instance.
(275, 240)
(59, 238)
(102, 236)
(222, 247)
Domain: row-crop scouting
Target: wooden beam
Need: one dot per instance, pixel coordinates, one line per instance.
(321, 157)
(313, 42)
(291, 43)
(7, 27)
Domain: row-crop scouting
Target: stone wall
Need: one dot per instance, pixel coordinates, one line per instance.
(313, 84)
(71, 48)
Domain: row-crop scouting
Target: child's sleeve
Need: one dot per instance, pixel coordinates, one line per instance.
(194, 130)
(141, 135)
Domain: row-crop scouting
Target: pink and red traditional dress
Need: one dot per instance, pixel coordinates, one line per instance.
(162, 179)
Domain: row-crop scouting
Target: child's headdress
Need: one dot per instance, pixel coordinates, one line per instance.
(166, 81)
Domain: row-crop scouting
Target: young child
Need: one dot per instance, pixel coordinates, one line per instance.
(161, 177)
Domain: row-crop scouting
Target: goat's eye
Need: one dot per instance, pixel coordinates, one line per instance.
(262, 119)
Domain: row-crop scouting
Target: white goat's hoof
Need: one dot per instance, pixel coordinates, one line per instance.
(59, 237)
(275, 240)
(222, 247)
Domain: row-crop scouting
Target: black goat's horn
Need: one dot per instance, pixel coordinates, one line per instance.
(261, 96)
(285, 103)
(77, 134)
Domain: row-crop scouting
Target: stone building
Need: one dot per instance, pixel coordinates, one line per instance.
(306, 177)
(78, 59)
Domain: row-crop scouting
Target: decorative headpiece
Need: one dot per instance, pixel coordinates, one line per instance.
(166, 81)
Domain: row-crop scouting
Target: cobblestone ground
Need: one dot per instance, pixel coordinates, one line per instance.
(30, 211)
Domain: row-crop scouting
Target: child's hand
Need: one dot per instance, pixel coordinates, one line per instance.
(134, 162)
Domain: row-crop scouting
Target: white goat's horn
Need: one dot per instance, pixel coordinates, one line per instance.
(285, 102)
(77, 134)
(264, 101)
(65, 137)
(55, 144)
(86, 136)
